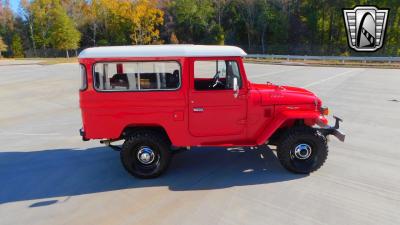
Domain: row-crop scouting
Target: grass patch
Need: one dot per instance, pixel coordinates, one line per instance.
(49, 61)
(52, 61)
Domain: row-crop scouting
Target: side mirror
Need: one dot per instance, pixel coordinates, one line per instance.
(235, 87)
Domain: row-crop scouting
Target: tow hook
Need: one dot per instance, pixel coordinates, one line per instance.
(108, 144)
(333, 130)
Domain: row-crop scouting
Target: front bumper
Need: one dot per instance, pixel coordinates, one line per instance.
(332, 130)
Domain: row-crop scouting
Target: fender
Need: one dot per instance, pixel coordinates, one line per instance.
(282, 117)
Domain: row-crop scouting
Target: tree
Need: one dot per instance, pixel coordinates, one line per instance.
(194, 19)
(63, 34)
(124, 20)
(249, 13)
(26, 16)
(16, 47)
(42, 19)
(74, 10)
(6, 18)
(265, 16)
(173, 39)
(146, 18)
(6, 23)
(285, 26)
(3, 46)
(92, 19)
(217, 35)
(220, 7)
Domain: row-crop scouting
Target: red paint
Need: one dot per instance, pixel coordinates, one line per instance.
(120, 68)
(248, 120)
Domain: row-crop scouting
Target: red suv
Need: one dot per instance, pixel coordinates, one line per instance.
(165, 97)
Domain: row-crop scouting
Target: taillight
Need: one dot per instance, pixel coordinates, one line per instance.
(83, 77)
(325, 111)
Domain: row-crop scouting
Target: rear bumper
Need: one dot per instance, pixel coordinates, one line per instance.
(332, 130)
(82, 133)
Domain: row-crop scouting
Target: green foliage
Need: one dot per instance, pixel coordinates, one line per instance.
(103, 42)
(120, 22)
(49, 25)
(40, 10)
(146, 18)
(16, 47)
(217, 35)
(173, 39)
(63, 34)
(3, 46)
(308, 27)
(194, 20)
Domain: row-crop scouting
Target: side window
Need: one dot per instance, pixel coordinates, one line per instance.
(83, 77)
(136, 76)
(215, 74)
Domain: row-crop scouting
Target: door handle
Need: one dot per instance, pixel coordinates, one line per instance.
(242, 96)
(198, 109)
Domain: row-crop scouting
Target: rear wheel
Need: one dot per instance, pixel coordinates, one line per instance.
(146, 154)
(302, 150)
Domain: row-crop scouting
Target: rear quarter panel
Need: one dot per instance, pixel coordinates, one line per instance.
(105, 114)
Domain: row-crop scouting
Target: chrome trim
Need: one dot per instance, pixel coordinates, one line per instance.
(145, 155)
(141, 90)
(198, 109)
(302, 151)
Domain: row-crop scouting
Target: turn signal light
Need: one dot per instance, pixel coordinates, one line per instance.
(324, 111)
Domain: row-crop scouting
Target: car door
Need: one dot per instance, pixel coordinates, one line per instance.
(214, 110)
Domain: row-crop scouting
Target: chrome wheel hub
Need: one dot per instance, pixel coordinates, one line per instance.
(145, 155)
(302, 151)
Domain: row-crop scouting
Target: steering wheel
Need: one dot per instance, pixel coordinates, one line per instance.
(215, 82)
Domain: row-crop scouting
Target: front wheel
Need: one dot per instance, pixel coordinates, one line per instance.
(302, 150)
(146, 154)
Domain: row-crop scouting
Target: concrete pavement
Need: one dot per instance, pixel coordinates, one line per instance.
(49, 176)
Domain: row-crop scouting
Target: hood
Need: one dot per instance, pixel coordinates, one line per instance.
(285, 95)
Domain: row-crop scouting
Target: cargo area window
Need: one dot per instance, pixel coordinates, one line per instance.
(216, 74)
(137, 76)
(83, 77)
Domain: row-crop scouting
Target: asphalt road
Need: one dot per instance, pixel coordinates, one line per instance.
(49, 176)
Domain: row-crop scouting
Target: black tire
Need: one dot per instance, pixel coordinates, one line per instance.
(146, 142)
(294, 150)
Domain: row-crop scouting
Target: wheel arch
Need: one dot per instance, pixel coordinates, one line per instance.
(285, 120)
(283, 128)
(131, 129)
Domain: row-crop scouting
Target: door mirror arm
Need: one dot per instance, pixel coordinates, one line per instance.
(235, 87)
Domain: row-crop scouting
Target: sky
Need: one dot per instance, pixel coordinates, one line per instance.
(14, 4)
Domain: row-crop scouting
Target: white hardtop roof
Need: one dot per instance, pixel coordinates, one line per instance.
(161, 51)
